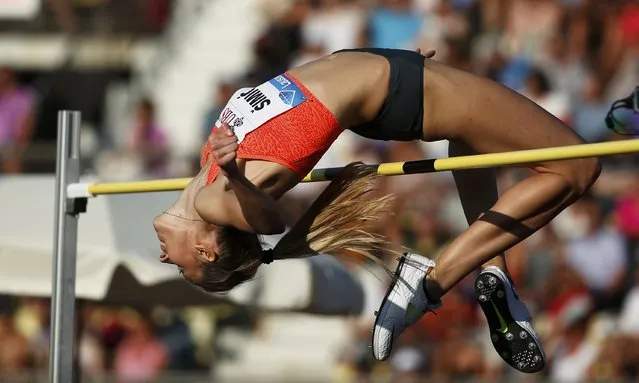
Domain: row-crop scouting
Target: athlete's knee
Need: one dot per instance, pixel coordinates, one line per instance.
(576, 176)
(581, 175)
(589, 171)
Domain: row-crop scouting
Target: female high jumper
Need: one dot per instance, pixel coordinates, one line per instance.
(269, 137)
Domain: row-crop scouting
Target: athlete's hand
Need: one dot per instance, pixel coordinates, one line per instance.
(224, 146)
(428, 54)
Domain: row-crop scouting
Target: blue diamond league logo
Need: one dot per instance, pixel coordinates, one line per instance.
(287, 96)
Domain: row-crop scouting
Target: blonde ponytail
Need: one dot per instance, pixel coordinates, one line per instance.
(337, 220)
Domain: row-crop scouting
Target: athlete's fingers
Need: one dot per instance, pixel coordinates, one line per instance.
(221, 134)
(429, 54)
(226, 159)
(221, 152)
(221, 142)
(226, 128)
(227, 148)
(215, 136)
(220, 137)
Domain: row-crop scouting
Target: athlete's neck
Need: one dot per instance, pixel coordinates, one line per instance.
(184, 207)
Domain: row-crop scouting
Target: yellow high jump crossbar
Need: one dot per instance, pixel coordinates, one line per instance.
(71, 199)
(392, 168)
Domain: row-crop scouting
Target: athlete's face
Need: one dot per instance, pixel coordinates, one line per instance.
(181, 244)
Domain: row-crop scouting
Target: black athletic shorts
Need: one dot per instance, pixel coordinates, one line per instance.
(402, 114)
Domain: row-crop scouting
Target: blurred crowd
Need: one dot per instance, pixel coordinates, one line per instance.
(579, 275)
(145, 145)
(112, 339)
(126, 344)
(17, 112)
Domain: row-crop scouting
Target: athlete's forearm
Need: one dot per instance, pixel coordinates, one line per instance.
(258, 208)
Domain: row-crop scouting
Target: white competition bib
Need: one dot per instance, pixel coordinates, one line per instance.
(250, 108)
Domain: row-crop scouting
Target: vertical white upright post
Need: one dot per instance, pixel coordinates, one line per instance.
(65, 249)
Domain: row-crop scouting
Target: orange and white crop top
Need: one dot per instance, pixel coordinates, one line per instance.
(279, 121)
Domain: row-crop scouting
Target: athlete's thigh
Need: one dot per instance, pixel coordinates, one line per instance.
(487, 116)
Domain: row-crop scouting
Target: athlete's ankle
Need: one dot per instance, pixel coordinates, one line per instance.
(498, 262)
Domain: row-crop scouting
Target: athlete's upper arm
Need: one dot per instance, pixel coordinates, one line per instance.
(220, 207)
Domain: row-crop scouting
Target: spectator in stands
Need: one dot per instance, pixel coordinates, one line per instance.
(15, 355)
(32, 319)
(355, 360)
(334, 25)
(541, 253)
(393, 24)
(618, 359)
(629, 22)
(223, 92)
(629, 315)
(111, 332)
(329, 27)
(564, 65)
(597, 253)
(158, 13)
(408, 364)
(626, 217)
(17, 117)
(530, 25)
(281, 41)
(91, 353)
(589, 115)
(575, 353)
(174, 333)
(140, 356)
(539, 89)
(148, 140)
(445, 29)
